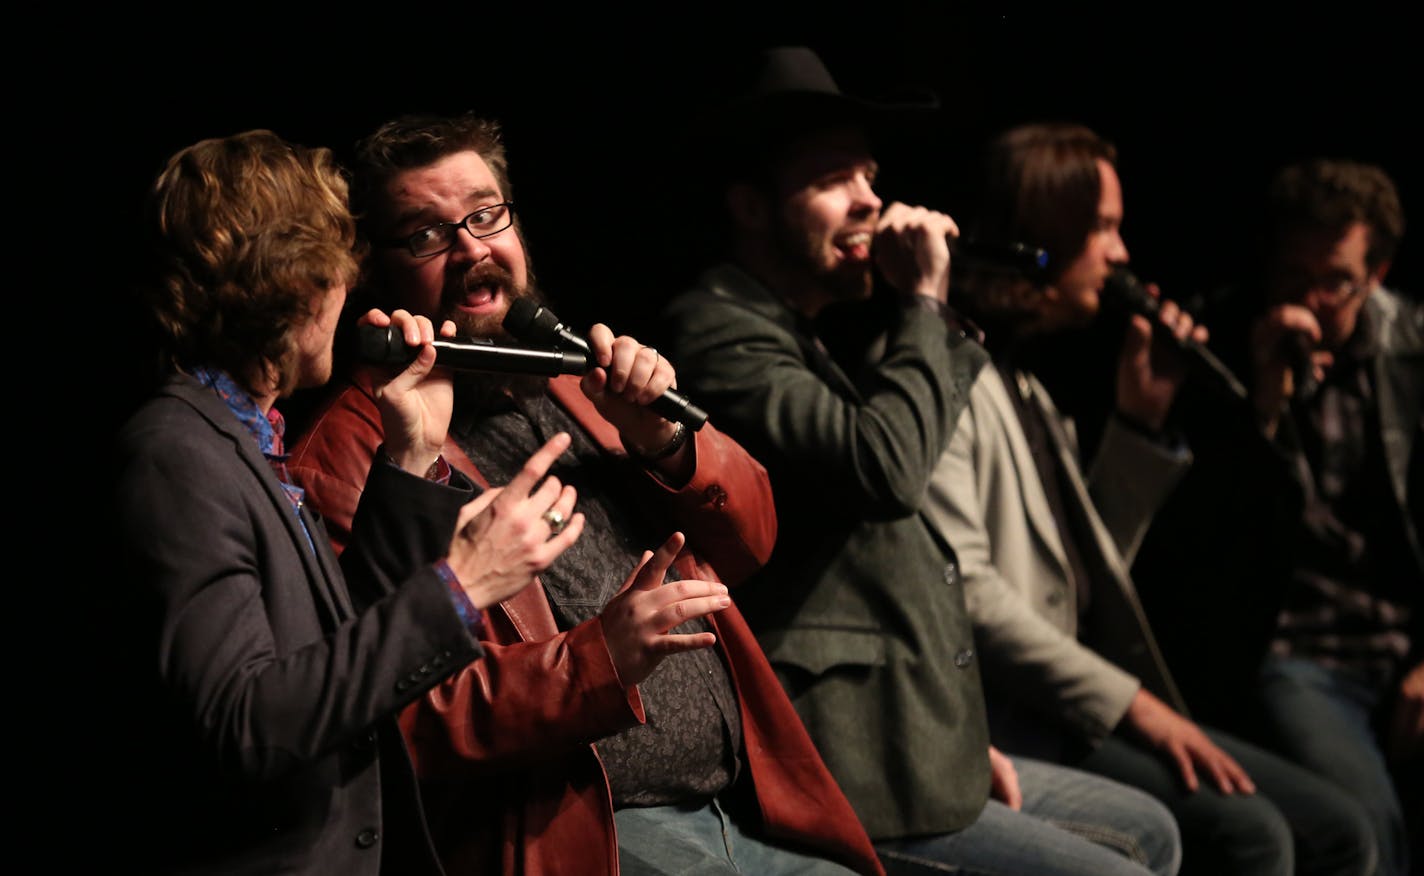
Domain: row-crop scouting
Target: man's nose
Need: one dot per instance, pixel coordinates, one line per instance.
(1117, 251)
(469, 247)
(863, 197)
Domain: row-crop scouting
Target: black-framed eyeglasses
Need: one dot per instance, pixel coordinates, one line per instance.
(1333, 289)
(487, 221)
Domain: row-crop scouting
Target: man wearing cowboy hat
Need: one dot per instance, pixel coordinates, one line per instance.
(860, 608)
(625, 721)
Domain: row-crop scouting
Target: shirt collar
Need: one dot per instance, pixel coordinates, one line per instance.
(267, 429)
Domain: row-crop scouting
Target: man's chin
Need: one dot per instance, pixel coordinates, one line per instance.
(850, 285)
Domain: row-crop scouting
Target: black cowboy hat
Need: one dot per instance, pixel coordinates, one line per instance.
(784, 91)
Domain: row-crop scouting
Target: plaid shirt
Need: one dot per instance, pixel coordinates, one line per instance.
(1350, 598)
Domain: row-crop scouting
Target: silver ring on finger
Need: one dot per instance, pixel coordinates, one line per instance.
(555, 519)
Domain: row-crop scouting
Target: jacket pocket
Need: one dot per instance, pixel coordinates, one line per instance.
(803, 656)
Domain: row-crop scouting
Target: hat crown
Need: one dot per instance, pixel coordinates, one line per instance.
(792, 69)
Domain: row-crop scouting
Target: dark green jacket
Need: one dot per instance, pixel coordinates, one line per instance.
(860, 608)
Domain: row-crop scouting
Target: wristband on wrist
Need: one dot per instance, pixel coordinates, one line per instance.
(679, 437)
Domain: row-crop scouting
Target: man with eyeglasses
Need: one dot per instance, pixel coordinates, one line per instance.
(1311, 501)
(624, 722)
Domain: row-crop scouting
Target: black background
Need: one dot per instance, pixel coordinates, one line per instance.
(1202, 103)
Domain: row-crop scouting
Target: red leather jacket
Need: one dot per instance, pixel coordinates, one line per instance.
(512, 782)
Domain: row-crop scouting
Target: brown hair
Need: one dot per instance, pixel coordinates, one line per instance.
(419, 140)
(1040, 187)
(1330, 195)
(251, 231)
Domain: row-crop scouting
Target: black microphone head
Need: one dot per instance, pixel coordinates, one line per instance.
(1030, 261)
(519, 319)
(1123, 287)
(536, 324)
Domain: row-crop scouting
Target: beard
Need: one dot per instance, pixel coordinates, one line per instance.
(805, 252)
(475, 389)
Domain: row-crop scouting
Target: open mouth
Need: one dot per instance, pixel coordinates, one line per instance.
(481, 298)
(854, 247)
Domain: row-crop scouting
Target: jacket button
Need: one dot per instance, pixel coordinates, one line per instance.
(403, 685)
(365, 741)
(964, 658)
(951, 573)
(367, 838)
(717, 496)
(1054, 598)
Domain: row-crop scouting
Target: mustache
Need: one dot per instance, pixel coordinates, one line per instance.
(488, 274)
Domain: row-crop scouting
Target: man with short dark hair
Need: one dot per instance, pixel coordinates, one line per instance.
(1311, 496)
(625, 722)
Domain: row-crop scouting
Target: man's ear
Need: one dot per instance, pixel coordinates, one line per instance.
(749, 208)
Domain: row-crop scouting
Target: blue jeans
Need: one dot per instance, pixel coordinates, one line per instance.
(1322, 720)
(703, 840)
(1296, 822)
(1071, 824)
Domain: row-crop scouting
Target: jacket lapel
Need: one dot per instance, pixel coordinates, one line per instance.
(1035, 501)
(331, 600)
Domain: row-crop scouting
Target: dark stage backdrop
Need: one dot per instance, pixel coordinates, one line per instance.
(1203, 105)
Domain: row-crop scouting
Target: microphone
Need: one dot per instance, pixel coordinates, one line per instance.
(1125, 288)
(1031, 261)
(527, 320)
(1304, 384)
(386, 346)
(537, 324)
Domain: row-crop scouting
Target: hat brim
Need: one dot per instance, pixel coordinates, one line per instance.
(763, 121)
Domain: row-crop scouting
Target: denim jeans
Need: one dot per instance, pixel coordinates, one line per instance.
(1295, 823)
(1321, 719)
(703, 840)
(1071, 824)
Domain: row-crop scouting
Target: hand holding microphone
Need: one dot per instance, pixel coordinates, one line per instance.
(534, 323)
(1286, 360)
(1124, 289)
(551, 349)
(416, 403)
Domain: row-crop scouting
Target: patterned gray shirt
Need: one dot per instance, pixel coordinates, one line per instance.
(690, 746)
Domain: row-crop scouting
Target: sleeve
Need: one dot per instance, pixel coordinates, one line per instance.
(249, 644)
(1130, 478)
(523, 703)
(1025, 654)
(726, 509)
(875, 451)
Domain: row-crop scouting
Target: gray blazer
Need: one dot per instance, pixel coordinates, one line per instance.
(860, 608)
(986, 498)
(266, 690)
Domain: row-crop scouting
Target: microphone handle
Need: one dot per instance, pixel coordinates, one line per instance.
(1209, 359)
(386, 346)
(678, 408)
(1139, 300)
(1030, 261)
(1304, 384)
